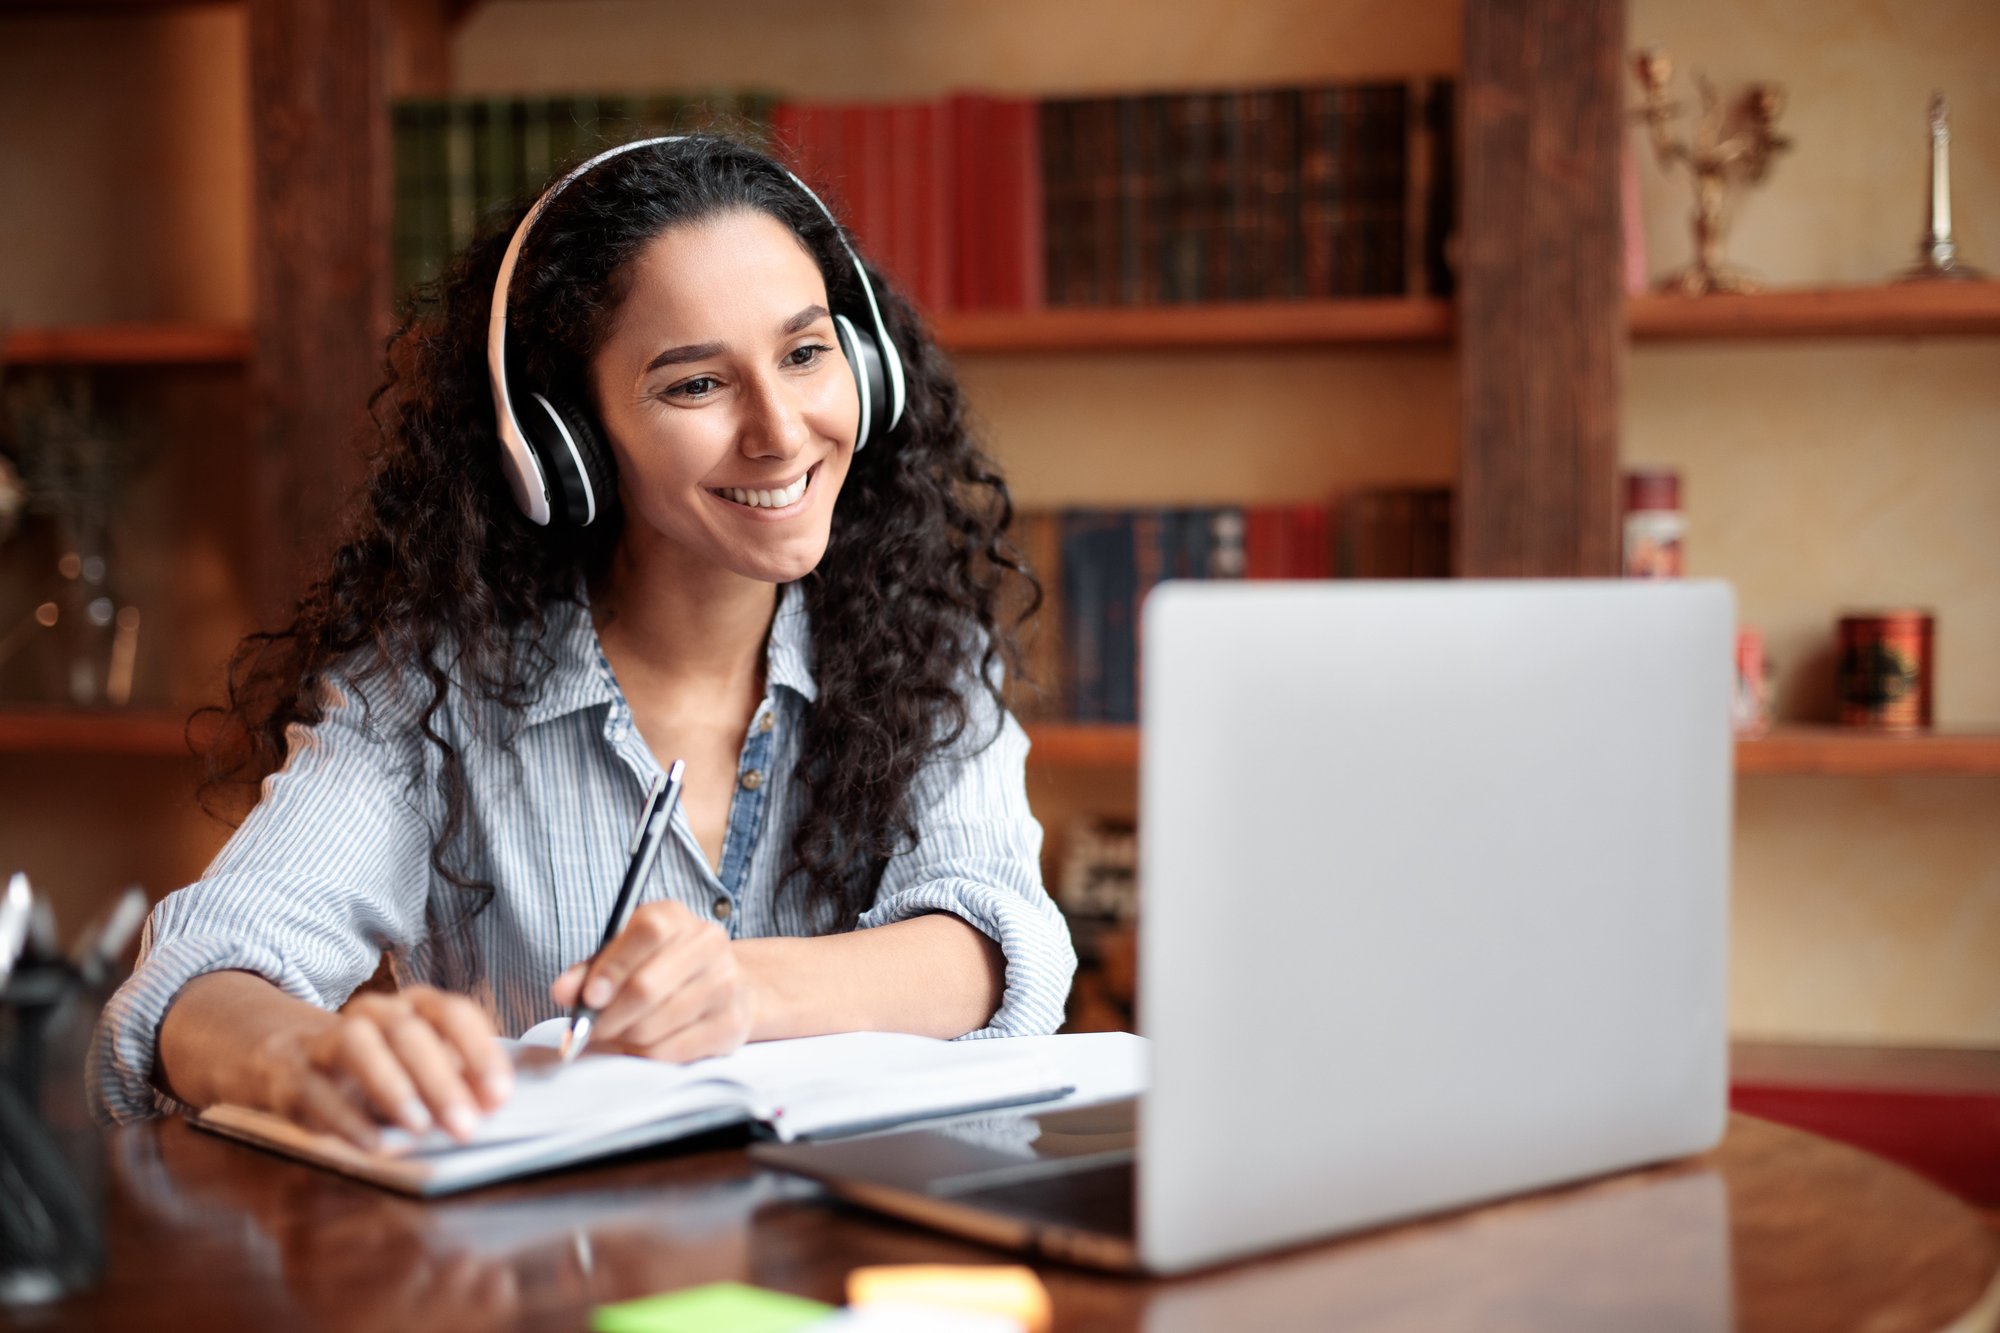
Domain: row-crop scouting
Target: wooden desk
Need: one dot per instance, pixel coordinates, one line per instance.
(1775, 1230)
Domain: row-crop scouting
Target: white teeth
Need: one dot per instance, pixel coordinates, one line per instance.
(768, 499)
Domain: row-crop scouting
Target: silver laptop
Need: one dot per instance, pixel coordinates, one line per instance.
(1434, 910)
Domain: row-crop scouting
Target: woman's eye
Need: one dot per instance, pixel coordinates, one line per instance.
(699, 387)
(806, 355)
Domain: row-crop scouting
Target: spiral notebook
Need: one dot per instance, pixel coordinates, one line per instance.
(807, 1087)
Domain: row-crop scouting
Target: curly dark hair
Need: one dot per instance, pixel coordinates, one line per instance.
(440, 583)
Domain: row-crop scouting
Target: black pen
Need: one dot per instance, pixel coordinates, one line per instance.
(654, 816)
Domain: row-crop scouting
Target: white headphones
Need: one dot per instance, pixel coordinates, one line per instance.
(554, 457)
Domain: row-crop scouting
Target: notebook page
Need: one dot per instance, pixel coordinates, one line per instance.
(806, 1085)
(592, 1095)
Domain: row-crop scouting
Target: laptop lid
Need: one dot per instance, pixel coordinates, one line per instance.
(1435, 897)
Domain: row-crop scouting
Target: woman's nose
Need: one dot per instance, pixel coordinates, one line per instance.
(778, 425)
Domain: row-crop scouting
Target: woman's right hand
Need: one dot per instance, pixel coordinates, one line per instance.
(416, 1058)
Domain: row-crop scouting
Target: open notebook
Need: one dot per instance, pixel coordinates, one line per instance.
(602, 1104)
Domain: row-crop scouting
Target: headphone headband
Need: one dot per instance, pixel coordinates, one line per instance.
(526, 475)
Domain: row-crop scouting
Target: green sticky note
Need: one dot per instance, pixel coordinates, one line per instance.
(719, 1307)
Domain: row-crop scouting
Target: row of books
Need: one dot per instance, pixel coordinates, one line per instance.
(1260, 194)
(974, 202)
(1097, 565)
(456, 159)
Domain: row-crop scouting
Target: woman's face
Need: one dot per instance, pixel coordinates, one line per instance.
(727, 403)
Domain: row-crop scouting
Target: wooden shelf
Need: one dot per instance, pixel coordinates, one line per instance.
(1082, 745)
(1357, 321)
(1835, 751)
(126, 345)
(1896, 310)
(141, 733)
(1830, 751)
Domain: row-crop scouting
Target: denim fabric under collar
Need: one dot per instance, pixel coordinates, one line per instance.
(582, 678)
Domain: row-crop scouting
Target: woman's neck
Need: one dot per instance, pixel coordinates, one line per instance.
(666, 624)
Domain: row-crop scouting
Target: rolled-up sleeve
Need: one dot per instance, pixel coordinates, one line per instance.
(331, 868)
(978, 857)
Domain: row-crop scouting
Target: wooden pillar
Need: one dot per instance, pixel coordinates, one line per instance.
(1541, 306)
(320, 162)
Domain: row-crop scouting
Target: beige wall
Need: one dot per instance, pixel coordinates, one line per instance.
(1822, 476)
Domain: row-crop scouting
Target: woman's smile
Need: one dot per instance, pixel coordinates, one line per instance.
(769, 502)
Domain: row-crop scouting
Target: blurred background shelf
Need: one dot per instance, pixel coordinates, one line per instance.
(1355, 321)
(1899, 310)
(1787, 750)
(125, 733)
(126, 345)
(1835, 751)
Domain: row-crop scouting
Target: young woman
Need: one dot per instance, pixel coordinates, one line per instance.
(734, 550)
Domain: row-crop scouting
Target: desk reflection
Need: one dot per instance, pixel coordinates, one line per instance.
(1641, 1252)
(492, 1259)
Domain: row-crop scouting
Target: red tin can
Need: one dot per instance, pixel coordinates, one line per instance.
(1885, 670)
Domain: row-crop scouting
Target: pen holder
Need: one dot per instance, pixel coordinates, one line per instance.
(51, 1150)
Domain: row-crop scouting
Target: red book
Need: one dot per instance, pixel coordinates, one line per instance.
(1016, 203)
(930, 180)
(1264, 542)
(970, 233)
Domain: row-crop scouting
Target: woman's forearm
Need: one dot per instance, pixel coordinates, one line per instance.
(934, 975)
(216, 1028)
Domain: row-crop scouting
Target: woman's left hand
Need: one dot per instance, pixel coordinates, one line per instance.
(669, 987)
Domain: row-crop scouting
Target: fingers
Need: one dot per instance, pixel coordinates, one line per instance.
(684, 1006)
(719, 1030)
(469, 1033)
(416, 1059)
(318, 1104)
(652, 928)
(436, 1071)
(358, 1053)
(658, 980)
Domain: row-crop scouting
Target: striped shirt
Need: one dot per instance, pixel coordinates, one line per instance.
(332, 870)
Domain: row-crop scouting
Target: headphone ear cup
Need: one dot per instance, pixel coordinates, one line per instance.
(871, 383)
(582, 479)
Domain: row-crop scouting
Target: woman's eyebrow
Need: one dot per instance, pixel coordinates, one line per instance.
(675, 356)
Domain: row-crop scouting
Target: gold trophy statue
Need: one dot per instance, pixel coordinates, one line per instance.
(1729, 147)
(1937, 253)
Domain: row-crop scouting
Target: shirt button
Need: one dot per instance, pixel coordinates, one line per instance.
(721, 909)
(766, 722)
(752, 780)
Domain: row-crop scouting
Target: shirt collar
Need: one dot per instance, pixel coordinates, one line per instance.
(581, 678)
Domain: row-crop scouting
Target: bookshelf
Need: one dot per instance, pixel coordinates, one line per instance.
(1800, 750)
(1915, 310)
(1358, 321)
(127, 345)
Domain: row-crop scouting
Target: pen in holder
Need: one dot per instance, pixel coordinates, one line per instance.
(51, 1150)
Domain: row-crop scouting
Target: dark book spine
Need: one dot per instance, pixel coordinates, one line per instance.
(1389, 188)
(1156, 176)
(1189, 142)
(1282, 271)
(406, 228)
(1058, 199)
(1121, 602)
(1225, 145)
(1127, 288)
(1101, 158)
(1319, 189)
(1083, 622)
(1250, 223)
(1441, 208)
